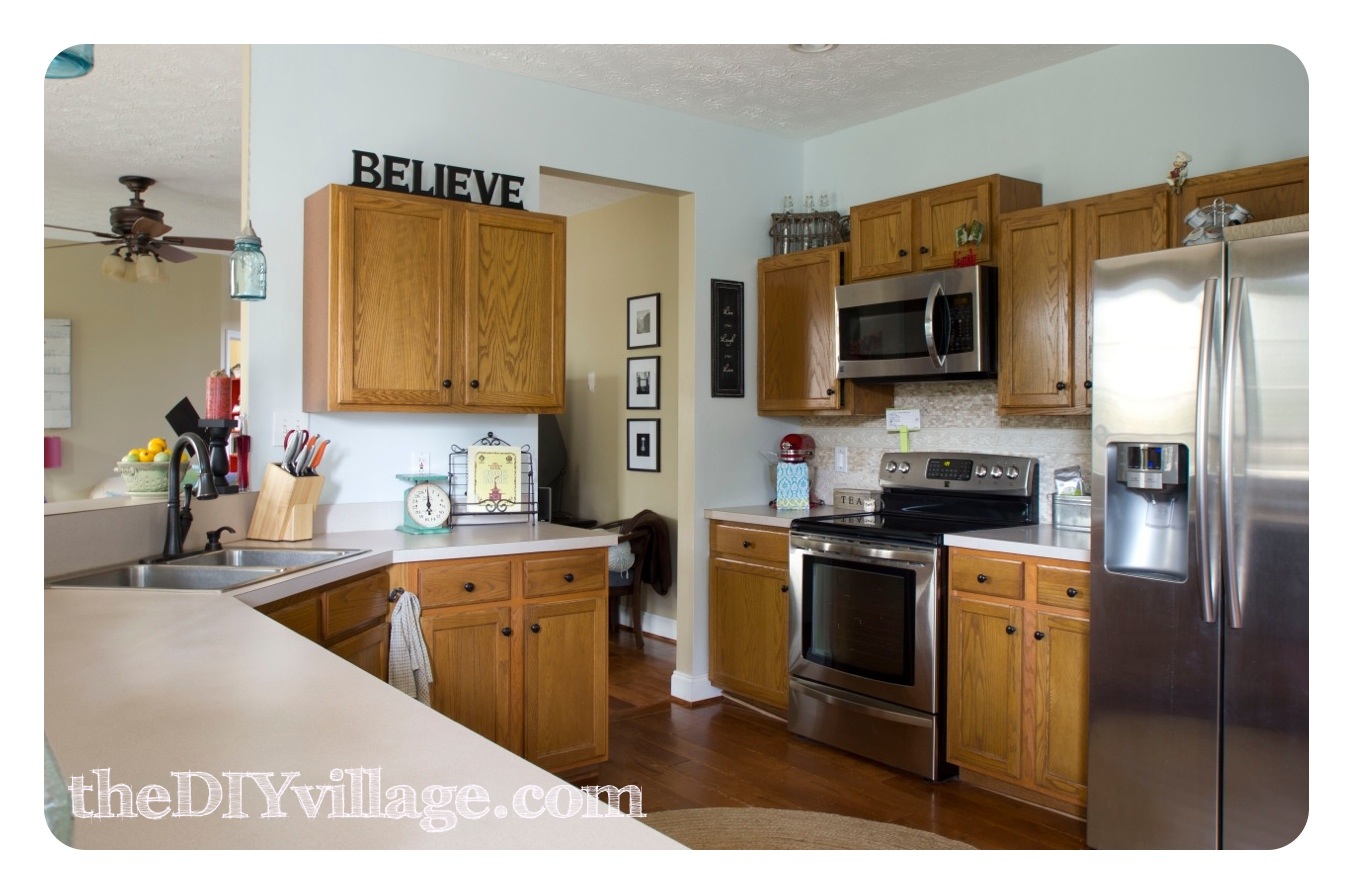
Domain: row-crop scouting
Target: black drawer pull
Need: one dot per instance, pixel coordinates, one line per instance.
(1089, 384)
(474, 383)
(1061, 386)
(746, 544)
(1010, 629)
(469, 587)
(924, 250)
(446, 383)
(1071, 591)
(784, 588)
(1038, 634)
(981, 578)
(507, 631)
(901, 252)
(568, 578)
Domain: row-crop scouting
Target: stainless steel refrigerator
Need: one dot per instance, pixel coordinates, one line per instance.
(1199, 547)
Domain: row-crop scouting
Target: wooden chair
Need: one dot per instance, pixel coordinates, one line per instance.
(629, 584)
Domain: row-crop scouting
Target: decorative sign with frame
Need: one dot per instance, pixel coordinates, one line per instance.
(641, 445)
(726, 374)
(642, 326)
(641, 383)
(494, 477)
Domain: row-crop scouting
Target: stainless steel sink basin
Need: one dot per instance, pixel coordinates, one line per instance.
(166, 577)
(270, 557)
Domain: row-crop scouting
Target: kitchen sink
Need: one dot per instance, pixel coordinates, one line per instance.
(269, 557)
(166, 577)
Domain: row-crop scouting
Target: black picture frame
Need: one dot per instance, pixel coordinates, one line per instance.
(642, 321)
(642, 383)
(727, 370)
(642, 445)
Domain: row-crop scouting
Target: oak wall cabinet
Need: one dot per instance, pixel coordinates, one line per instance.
(418, 304)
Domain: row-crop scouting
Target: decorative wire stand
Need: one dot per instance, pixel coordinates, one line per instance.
(791, 231)
(486, 512)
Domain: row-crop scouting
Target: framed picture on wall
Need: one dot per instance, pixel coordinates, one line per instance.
(726, 338)
(641, 445)
(643, 321)
(641, 383)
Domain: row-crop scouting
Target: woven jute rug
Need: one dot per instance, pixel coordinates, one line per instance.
(763, 829)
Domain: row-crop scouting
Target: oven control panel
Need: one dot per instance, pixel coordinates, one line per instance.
(987, 473)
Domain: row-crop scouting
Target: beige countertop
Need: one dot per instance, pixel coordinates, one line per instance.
(154, 686)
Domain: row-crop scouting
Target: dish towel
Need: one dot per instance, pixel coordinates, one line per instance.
(410, 667)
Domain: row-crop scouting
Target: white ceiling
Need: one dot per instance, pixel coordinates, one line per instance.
(173, 112)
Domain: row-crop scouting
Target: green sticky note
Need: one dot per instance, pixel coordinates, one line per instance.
(903, 441)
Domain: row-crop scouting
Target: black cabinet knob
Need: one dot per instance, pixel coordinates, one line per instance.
(446, 383)
(1061, 386)
(746, 544)
(1010, 628)
(784, 588)
(469, 588)
(831, 391)
(924, 250)
(507, 631)
(535, 628)
(901, 252)
(1038, 634)
(395, 594)
(1072, 592)
(981, 578)
(1089, 384)
(568, 577)
(474, 383)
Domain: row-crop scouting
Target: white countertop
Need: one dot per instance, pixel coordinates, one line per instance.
(1033, 540)
(147, 684)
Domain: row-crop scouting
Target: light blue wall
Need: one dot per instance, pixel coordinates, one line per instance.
(1107, 121)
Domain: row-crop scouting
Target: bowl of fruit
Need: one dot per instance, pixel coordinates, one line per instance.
(145, 470)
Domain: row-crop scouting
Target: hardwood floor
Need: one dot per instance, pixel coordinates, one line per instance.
(727, 755)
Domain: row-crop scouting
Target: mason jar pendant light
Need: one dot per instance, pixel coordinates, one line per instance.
(72, 62)
(248, 267)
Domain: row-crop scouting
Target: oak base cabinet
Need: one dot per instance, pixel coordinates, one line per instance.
(749, 612)
(1018, 674)
(349, 618)
(519, 651)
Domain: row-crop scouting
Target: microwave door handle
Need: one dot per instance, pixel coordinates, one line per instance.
(930, 345)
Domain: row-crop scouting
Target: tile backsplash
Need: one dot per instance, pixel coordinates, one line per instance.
(957, 416)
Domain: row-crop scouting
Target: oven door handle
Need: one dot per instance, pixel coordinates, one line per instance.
(832, 548)
(865, 705)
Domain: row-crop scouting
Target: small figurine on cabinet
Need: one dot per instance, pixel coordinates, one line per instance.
(1179, 173)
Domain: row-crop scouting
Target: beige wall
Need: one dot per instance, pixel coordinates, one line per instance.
(136, 350)
(615, 253)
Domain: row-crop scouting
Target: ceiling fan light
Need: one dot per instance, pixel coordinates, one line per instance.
(112, 266)
(148, 268)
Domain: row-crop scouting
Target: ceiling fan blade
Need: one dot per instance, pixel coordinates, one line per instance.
(172, 253)
(150, 227)
(73, 244)
(202, 242)
(78, 230)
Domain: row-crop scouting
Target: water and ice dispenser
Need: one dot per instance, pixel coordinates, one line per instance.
(1146, 510)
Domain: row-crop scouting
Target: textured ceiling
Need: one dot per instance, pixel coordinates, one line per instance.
(173, 112)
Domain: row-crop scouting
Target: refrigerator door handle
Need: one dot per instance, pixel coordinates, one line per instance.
(1206, 549)
(1230, 366)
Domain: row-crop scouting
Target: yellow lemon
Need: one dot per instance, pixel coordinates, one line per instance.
(146, 455)
(155, 445)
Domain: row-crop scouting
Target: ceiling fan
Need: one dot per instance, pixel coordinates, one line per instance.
(138, 233)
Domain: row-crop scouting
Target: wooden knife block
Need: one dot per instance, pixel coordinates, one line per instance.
(286, 506)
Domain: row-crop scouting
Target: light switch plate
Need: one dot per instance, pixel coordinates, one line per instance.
(895, 420)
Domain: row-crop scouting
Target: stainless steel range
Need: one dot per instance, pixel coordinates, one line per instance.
(868, 602)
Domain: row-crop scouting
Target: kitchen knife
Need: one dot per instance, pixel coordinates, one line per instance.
(313, 469)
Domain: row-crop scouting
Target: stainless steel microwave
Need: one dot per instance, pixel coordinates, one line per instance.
(938, 325)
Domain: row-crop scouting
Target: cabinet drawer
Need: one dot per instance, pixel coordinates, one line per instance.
(983, 574)
(581, 571)
(462, 581)
(354, 604)
(301, 617)
(1064, 587)
(760, 544)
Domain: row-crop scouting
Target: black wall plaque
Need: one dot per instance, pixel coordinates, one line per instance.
(726, 379)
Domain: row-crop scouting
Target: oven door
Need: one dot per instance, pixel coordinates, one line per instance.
(864, 617)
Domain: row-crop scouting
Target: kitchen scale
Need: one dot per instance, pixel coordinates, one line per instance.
(427, 505)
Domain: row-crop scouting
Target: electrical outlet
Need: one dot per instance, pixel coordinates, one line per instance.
(898, 419)
(284, 422)
(841, 458)
(422, 463)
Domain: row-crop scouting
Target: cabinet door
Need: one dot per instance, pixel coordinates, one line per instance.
(471, 655)
(985, 682)
(354, 604)
(1270, 191)
(942, 211)
(1061, 703)
(881, 238)
(1036, 362)
(369, 650)
(390, 273)
(513, 315)
(796, 355)
(749, 630)
(564, 695)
